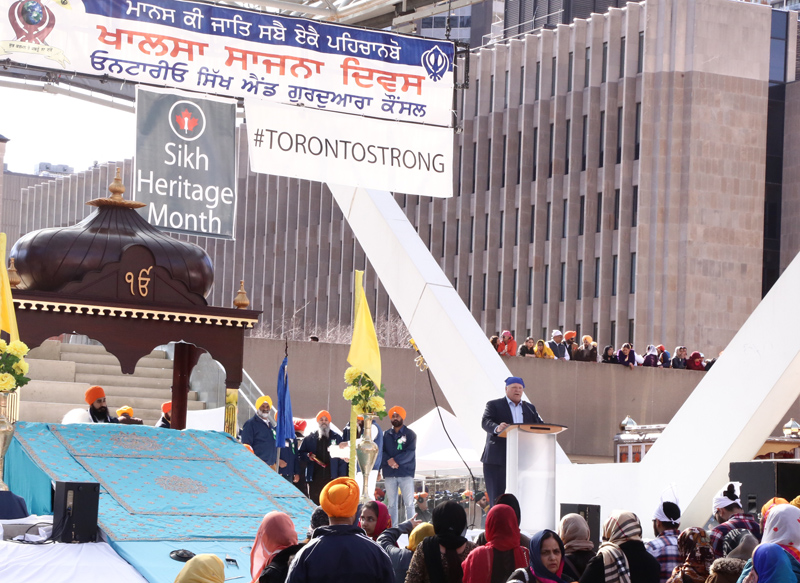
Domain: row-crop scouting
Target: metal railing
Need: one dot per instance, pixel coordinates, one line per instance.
(523, 28)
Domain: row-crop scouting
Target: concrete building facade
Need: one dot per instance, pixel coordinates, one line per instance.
(610, 178)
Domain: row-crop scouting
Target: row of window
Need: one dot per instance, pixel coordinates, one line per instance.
(570, 60)
(441, 22)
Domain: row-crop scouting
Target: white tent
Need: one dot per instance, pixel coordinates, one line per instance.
(435, 453)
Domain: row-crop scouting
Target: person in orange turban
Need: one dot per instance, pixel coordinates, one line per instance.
(95, 397)
(398, 462)
(166, 415)
(321, 468)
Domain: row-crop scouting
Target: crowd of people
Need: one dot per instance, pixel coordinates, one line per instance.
(347, 541)
(98, 411)
(565, 346)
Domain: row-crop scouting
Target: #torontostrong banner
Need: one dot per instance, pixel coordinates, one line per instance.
(186, 162)
(229, 51)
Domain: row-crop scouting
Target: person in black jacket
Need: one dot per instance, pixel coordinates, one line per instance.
(341, 552)
(497, 416)
(622, 547)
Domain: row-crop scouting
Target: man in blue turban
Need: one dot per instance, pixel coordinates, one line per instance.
(499, 414)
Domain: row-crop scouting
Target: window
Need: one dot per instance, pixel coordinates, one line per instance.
(616, 209)
(444, 232)
(503, 169)
(552, 145)
(599, 212)
(514, 290)
(635, 209)
(491, 92)
(637, 135)
(530, 286)
(594, 330)
(602, 138)
(489, 164)
(614, 267)
(538, 79)
(613, 333)
(505, 93)
(516, 227)
(547, 226)
(596, 277)
(584, 137)
(563, 281)
(519, 157)
(566, 149)
(535, 150)
(502, 214)
(471, 234)
(521, 84)
(605, 63)
(474, 166)
(777, 47)
(587, 67)
(630, 330)
(633, 273)
(427, 23)
(499, 288)
(533, 220)
(483, 303)
(458, 235)
(581, 215)
(569, 72)
(486, 232)
(580, 279)
(460, 164)
(619, 135)
(553, 79)
(640, 59)
(564, 221)
(469, 292)
(430, 232)
(546, 282)
(622, 58)
(477, 95)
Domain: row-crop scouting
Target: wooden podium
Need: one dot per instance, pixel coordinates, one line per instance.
(531, 472)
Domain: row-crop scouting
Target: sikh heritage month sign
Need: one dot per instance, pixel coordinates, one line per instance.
(229, 51)
(186, 162)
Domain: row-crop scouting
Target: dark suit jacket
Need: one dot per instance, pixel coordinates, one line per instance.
(497, 412)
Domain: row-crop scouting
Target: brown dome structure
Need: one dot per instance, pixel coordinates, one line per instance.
(49, 259)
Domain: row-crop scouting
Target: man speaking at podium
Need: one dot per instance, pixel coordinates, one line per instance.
(499, 414)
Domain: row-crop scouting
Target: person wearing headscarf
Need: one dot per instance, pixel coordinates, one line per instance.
(374, 519)
(399, 462)
(502, 553)
(586, 352)
(626, 356)
(401, 557)
(783, 528)
(341, 552)
(578, 548)
(202, 569)
(438, 559)
(651, 357)
(622, 557)
(95, 397)
(259, 431)
(558, 346)
(509, 500)
(507, 345)
(570, 342)
(274, 548)
(795, 502)
(664, 357)
(666, 527)
(547, 561)
(321, 468)
(769, 505)
(738, 546)
(165, 421)
(696, 557)
(542, 350)
(608, 356)
(497, 416)
(695, 362)
(727, 510)
(679, 360)
(772, 565)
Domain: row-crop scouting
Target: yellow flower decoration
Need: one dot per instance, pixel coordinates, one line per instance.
(350, 392)
(376, 404)
(3, 346)
(17, 348)
(359, 409)
(351, 374)
(21, 367)
(7, 382)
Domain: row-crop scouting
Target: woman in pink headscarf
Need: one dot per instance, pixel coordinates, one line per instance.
(273, 549)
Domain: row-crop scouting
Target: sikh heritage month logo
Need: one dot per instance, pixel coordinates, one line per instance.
(32, 22)
(187, 120)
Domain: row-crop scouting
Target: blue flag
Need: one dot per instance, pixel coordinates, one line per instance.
(285, 420)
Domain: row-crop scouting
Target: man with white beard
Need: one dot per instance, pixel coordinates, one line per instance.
(259, 432)
(321, 468)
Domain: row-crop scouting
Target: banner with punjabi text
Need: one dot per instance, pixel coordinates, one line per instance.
(233, 52)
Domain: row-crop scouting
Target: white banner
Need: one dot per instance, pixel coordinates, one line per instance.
(300, 142)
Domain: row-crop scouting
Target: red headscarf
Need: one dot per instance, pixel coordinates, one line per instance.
(695, 362)
(502, 533)
(383, 521)
(276, 533)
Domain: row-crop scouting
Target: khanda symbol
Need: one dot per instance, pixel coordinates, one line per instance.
(435, 62)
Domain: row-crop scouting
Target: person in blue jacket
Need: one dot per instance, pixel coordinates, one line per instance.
(289, 462)
(321, 468)
(259, 431)
(399, 463)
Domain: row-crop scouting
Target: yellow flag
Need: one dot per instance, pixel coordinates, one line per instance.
(364, 352)
(8, 319)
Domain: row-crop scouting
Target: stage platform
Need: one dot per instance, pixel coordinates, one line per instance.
(160, 489)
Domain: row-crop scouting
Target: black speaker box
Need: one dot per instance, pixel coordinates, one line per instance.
(765, 479)
(75, 512)
(591, 512)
